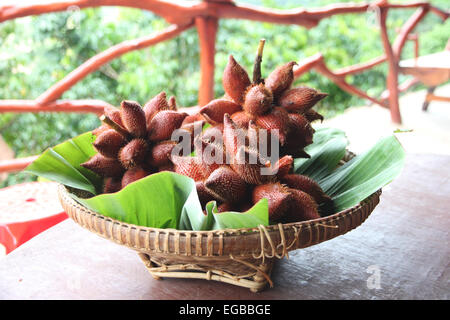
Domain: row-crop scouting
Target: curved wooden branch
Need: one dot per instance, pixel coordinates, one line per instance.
(299, 16)
(182, 12)
(317, 62)
(104, 57)
(406, 29)
(343, 84)
(441, 13)
(15, 165)
(172, 11)
(79, 106)
(360, 67)
(179, 12)
(307, 64)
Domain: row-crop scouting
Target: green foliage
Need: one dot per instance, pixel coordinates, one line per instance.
(38, 51)
(161, 200)
(169, 200)
(357, 179)
(62, 163)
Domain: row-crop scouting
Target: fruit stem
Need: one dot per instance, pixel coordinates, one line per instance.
(106, 120)
(257, 66)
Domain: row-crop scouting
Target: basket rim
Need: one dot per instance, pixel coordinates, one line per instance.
(64, 196)
(243, 256)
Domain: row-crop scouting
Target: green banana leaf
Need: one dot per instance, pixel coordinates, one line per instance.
(357, 179)
(161, 200)
(257, 215)
(365, 174)
(327, 150)
(194, 218)
(154, 201)
(170, 200)
(62, 164)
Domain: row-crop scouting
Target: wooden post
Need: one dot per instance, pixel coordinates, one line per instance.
(15, 165)
(207, 31)
(392, 78)
(430, 91)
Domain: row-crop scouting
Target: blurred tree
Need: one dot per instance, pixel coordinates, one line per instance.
(36, 52)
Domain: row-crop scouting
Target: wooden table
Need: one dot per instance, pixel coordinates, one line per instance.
(400, 252)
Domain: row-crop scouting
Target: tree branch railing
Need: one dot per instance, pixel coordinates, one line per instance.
(204, 16)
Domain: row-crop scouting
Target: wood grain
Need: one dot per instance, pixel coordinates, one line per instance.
(406, 238)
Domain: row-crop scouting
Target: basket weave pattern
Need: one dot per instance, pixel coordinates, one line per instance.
(242, 257)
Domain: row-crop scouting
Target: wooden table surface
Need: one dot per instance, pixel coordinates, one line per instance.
(401, 252)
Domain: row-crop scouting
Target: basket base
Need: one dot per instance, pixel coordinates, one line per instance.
(255, 281)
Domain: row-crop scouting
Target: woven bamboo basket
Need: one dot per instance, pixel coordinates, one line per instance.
(242, 257)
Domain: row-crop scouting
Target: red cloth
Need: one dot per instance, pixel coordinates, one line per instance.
(13, 235)
(26, 210)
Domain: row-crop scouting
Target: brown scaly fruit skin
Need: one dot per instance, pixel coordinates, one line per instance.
(133, 153)
(104, 167)
(156, 104)
(301, 99)
(98, 131)
(283, 166)
(258, 100)
(239, 154)
(300, 134)
(109, 142)
(280, 79)
(168, 167)
(302, 208)
(192, 118)
(211, 151)
(308, 185)
(114, 114)
(133, 118)
(262, 102)
(213, 133)
(160, 154)
(278, 198)
(286, 112)
(111, 185)
(198, 168)
(233, 136)
(132, 175)
(204, 195)
(235, 80)
(164, 123)
(214, 181)
(241, 118)
(214, 111)
(269, 104)
(190, 128)
(191, 167)
(229, 185)
(312, 115)
(278, 120)
(172, 103)
(224, 207)
(300, 195)
(125, 151)
(251, 172)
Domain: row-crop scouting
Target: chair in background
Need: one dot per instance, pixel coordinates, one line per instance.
(432, 70)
